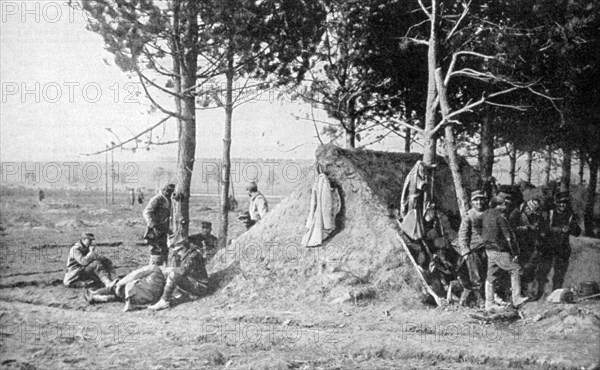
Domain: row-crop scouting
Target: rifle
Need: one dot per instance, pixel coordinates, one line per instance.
(438, 300)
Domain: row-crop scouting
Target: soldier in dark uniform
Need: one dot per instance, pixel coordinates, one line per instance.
(158, 216)
(205, 241)
(190, 277)
(502, 252)
(244, 217)
(561, 222)
(528, 224)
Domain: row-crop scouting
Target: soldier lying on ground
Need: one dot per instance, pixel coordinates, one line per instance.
(85, 263)
(140, 287)
(191, 277)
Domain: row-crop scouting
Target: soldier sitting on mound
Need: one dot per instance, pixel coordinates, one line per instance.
(205, 241)
(191, 277)
(85, 263)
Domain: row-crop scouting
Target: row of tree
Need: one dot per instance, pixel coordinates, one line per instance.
(517, 74)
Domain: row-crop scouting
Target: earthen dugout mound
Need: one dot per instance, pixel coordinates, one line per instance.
(363, 257)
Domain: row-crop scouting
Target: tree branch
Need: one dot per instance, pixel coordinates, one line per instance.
(120, 145)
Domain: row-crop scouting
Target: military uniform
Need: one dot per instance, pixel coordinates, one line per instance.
(190, 276)
(157, 215)
(472, 265)
(83, 264)
(258, 206)
(560, 223)
(501, 250)
(528, 224)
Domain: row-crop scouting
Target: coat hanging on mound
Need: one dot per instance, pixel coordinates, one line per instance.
(325, 204)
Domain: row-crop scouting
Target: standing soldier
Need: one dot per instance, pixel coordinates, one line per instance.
(258, 203)
(502, 252)
(140, 196)
(132, 197)
(472, 264)
(561, 223)
(157, 215)
(529, 227)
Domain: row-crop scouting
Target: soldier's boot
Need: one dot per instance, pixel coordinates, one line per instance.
(106, 280)
(101, 298)
(464, 297)
(479, 298)
(490, 305)
(517, 298)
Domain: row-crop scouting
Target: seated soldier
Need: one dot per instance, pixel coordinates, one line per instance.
(140, 287)
(244, 217)
(191, 277)
(85, 263)
(205, 241)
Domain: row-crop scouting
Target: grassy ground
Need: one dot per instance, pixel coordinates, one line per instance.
(44, 325)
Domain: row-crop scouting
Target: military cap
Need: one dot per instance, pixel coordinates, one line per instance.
(562, 197)
(89, 236)
(501, 198)
(206, 225)
(251, 186)
(243, 215)
(168, 187)
(477, 194)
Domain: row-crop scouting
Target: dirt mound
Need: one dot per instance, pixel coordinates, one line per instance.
(584, 264)
(74, 223)
(363, 255)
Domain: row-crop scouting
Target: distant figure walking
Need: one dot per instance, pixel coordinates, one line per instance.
(140, 196)
(132, 197)
(41, 195)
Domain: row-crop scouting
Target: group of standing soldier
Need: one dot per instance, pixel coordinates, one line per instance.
(499, 236)
(186, 273)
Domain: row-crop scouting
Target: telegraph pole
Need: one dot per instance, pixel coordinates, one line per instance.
(112, 176)
(106, 176)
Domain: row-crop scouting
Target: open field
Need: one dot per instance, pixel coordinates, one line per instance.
(44, 325)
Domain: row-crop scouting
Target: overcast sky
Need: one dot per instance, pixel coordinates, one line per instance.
(61, 90)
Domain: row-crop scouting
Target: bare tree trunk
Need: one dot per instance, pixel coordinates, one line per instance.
(407, 139)
(188, 42)
(528, 161)
(512, 156)
(351, 134)
(565, 177)
(581, 165)
(588, 214)
(548, 168)
(431, 108)
(461, 195)
(486, 148)
(226, 166)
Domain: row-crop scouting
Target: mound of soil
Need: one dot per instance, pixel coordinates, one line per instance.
(363, 255)
(74, 223)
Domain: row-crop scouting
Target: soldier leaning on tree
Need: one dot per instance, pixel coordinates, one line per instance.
(157, 215)
(472, 265)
